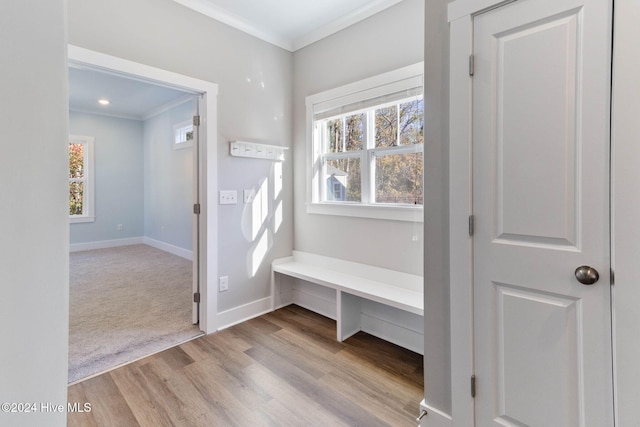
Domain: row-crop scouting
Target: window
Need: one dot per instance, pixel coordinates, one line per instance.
(81, 186)
(367, 147)
(183, 135)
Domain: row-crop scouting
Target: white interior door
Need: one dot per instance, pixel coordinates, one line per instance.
(541, 206)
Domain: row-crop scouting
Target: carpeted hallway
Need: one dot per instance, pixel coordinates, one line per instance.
(126, 303)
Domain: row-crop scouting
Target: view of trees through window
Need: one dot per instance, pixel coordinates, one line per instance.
(76, 179)
(383, 131)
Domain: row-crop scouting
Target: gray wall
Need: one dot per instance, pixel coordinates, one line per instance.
(118, 177)
(168, 179)
(254, 104)
(626, 209)
(437, 351)
(34, 246)
(386, 41)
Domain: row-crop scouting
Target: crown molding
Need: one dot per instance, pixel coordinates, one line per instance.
(291, 44)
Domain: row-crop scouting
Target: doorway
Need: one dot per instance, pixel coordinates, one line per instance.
(204, 225)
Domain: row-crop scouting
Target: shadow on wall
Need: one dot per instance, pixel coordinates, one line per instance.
(262, 218)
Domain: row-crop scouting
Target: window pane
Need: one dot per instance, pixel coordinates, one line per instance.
(399, 179)
(411, 122)
(355, 128)
(76, 190)
(76, 160)
(346, 133)
(386, 126)
(334, 135)
(343, 180)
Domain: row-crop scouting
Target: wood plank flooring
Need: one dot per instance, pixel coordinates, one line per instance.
(281, 369)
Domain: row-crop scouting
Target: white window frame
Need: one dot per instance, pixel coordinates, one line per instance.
(88, 202)
(405, 78)
(180, 131)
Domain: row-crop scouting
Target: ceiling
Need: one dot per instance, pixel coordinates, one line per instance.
(289, 24)
(129, 98)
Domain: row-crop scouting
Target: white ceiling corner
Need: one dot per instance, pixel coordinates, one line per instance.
(289, 24)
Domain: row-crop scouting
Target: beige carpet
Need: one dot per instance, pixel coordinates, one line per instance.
(126, 303)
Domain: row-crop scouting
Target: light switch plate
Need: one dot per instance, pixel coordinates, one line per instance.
(249, 195)
(228, 197)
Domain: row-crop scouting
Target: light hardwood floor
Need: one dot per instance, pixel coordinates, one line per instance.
(282, 369)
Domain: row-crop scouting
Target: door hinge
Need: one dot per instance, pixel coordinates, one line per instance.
(473, 386)
(196, 297)
(196, 120)
(613, 277)
(472, 65)
(472, 224)
(196, 209)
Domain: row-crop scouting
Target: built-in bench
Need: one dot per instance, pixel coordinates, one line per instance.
(382, 302)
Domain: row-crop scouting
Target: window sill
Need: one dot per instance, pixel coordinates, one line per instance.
(386, 212)
(76, 219)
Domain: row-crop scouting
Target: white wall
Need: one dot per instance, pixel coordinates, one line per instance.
(386, 41)
(254, 104)
(33, 209)
(168, 179)
(118, 177)
(626, 209)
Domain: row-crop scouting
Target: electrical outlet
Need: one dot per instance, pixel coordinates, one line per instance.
(120, 227)
(249, 195)
(224, 283)
(228, 197)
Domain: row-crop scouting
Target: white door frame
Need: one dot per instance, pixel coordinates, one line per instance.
(208, 178)
(460, 208)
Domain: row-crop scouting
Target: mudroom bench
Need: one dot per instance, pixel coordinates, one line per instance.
(360, 297)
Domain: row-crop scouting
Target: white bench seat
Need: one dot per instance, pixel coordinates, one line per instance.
(352, 282)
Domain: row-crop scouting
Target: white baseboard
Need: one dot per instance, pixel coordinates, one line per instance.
(103, 244)
(378, 320)
(434, 417)
(315, 301)
(172, 249)
(394, 333)
(243, 313)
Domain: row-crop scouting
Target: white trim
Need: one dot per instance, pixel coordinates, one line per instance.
(80, 57)
(357, 89)
(372, 8)
(405, 78)
(207, 8)
(77, 219)
(460, 207)
(625, 211)
(167, 247)
(168, 106)
(104, 244)
(105, 114)
(179, 128)
(434, 417)
(461, 8)
(244, 312)
(380, 211)
(288, 43)
(392, 332)
(89, 180)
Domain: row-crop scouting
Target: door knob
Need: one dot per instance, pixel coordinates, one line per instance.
(587, 275)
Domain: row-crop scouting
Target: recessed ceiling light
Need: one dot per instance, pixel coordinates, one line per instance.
(103, 101)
